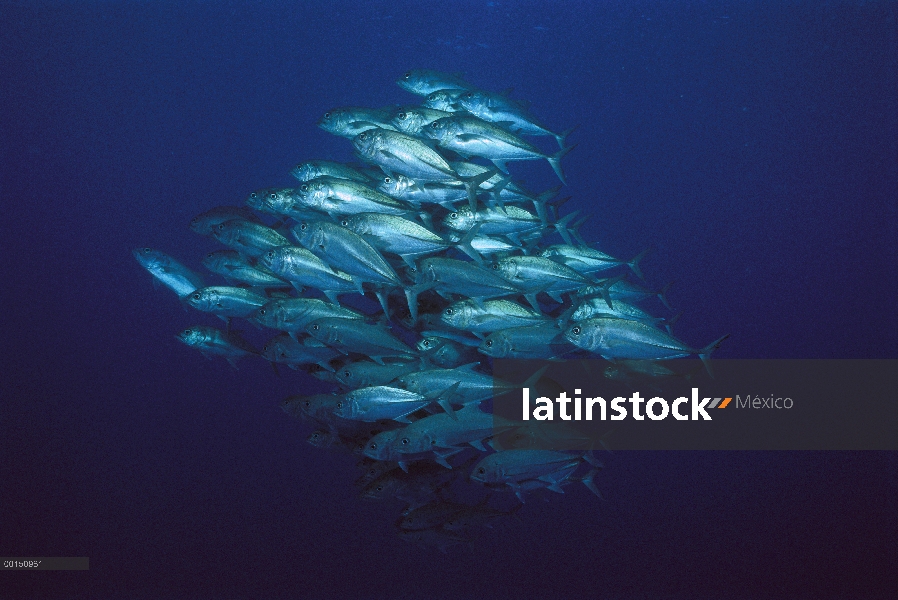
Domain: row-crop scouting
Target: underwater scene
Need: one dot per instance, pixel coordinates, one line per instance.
(272, 269)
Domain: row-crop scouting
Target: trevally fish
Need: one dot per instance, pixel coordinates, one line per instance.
(226, 301)
(490, 315)
(463, 278)
(412, 119)
(532, 342)
(365, 373)
(350, 121)
(402, 237)
(286, 350)
(231, 265)
(168, 271)
(470, 136)
(380, 403)
(292, 315)
(497, 108)
(336, 196)
(248, 238)
(445, 100)
(351, 335)
(425, 81)
(345, 250)
(614, 338)
(203, 223)
(510, 466)
(313, 169)
(304, 269)
(584, 259)
(209, 341)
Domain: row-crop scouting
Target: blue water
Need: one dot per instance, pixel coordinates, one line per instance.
(752, 145)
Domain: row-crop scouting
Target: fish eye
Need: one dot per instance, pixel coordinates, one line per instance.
(221, 226)
(187, 332)
(363, 136)
(327, 115)
(380, 488)
(450, 311)
(146, 250)
(453, 215)
(373, 445)
(315, 327)
(426, 343)
(302, 226)
(435, 125)
(262, 312)
(339, 405)
(408, 75)
(489, 343)
(481, 470)
(495, 267)
(387, 180)
(575, 330)
(404, 441)
(402, 115)
(344, 222)
(253, 195)
(196, 296)
(283, 354)
(272, 195)
(270, 254)
(347, 374)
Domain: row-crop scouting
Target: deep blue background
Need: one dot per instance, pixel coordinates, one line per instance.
(751, 144)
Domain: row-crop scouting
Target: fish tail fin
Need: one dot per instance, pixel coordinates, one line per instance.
(669, 323)
(465, 246)
(472, 184)
(382, 298)
(443, 400)
(555, 161)
(705, 353)
(411, 296)
(540, 202)
(561, 226)
(662, 295)
(562, 137)
(634, 263)
(589, 481)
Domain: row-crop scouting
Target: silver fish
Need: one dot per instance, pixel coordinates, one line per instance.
(248, 238)
(412, 119)
(497, 108)
(286, 350)
(445, 100)
(225, 301)
(490, 315)
(346, 197)
(312, 169)
(168, 271)
(231, 265)
(425, 81)
(351, 335)
(532, 342)
(294, 314)
(210, 340)
(350, 121)
(470, 136)
(203, 223)
(380, 403)
(613, 338)
(365, 373)
(302, 268)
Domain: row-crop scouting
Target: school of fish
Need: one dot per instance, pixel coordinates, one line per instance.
(400, 278)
